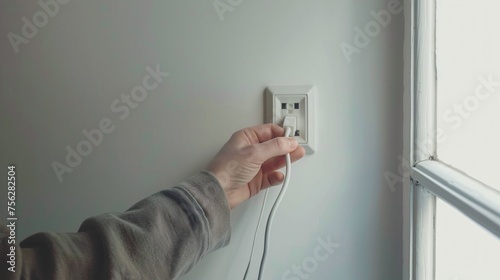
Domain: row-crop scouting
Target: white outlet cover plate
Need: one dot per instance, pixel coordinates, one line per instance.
(297, 101)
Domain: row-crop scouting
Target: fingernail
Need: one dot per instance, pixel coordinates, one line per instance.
(293, 142)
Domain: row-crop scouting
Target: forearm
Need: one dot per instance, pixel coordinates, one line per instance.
(161, 237)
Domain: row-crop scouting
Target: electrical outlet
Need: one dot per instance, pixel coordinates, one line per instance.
(295, 101)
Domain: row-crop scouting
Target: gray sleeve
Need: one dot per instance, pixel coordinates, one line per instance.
(160, 237)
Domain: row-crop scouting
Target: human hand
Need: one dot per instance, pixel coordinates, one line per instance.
(249, 161)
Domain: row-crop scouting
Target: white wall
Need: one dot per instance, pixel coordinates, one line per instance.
(64, 79)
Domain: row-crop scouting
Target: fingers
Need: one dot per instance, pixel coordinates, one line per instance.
(262, 133)
(272, 148)
(272, 179)
(280, 161)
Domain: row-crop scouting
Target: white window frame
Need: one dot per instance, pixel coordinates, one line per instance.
(431, 178)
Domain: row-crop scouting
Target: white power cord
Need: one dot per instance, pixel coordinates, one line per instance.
(255, 235)
(289, 124)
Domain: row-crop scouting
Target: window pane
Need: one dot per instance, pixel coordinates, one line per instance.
(468, 91)
(464, 250)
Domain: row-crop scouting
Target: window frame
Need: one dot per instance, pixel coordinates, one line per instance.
(429, 177)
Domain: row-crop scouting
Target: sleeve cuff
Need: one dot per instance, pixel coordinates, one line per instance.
(207, 191)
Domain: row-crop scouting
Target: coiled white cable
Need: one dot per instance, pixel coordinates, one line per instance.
(288, 131)
(256, 231)
(275, 206)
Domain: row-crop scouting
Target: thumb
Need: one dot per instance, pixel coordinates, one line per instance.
(275, 147)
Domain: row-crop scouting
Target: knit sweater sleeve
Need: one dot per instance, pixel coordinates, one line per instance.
(161, 237)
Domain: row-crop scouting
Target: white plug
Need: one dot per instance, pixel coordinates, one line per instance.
(290, 125)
